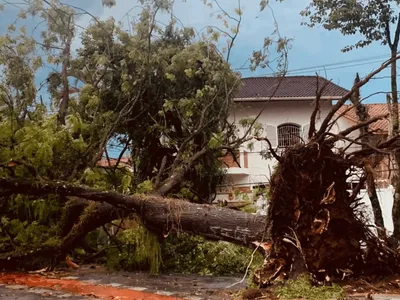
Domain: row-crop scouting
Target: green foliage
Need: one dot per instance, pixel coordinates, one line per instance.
(145, 186)
(31, 235)
(192, 254)
(141, 250)
(303, 288)
(370, 19)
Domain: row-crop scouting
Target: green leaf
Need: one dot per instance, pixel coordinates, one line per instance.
(170, 76)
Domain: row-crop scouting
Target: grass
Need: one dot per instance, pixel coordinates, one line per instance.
(303, 288)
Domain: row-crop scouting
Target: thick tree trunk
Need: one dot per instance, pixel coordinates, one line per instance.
(161, 215)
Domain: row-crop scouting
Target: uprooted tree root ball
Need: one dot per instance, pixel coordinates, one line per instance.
(314, 223)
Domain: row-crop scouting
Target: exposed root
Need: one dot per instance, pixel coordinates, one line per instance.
(314, 223)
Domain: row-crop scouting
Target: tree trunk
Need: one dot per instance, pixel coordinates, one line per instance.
(376, 207)
(62, 112)
(161, 215)
(396, 197)
(396, 152)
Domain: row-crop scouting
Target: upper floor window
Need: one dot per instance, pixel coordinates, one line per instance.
(288, 135)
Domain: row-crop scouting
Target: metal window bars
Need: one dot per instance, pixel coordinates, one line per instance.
(288, 135)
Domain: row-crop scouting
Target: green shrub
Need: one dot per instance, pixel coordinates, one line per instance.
(193, 254)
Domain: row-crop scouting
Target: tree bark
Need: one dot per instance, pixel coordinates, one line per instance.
(73, 209)
(376, 207)
(396, 198)
(161, 215)
(62, 112)
(396, 152)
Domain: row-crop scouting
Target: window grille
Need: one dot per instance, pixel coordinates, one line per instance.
(288, 135)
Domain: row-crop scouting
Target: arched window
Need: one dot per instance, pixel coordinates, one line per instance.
(288, 135)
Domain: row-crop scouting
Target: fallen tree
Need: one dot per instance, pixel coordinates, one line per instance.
(313, 224)
(160, 215)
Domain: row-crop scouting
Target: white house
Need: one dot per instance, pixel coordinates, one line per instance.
(286, 104)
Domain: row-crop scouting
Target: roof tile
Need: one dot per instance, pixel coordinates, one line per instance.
(105, 163)
(286, 87)
(374, 110)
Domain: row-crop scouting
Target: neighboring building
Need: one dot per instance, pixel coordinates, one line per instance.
(124, 162)
(385, 169)
(286, 104)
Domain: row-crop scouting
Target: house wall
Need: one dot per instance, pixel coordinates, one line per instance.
(258, 170)
(343, 123)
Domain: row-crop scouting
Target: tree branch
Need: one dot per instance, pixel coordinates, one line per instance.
(341, 137)
(179, 173)
(160, 172)
(361, 125)
(388, 145)
(346, 97)
(270, 149)
(313, 117)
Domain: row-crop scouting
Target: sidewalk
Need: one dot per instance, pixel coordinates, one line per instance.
(26, 284)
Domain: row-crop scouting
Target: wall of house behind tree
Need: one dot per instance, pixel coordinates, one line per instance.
(258, 169)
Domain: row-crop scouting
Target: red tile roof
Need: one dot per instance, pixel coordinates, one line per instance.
(374, 110)
(287, 87)
(125, 161)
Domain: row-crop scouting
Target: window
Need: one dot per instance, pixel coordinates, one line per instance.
(288, 135)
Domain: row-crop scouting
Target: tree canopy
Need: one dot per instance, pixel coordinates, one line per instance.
(371, 19)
